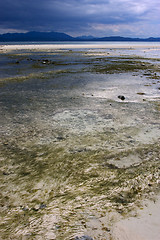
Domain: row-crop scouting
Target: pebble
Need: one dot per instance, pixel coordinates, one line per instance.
(42, 206)
(25, 209)
(5, 173)
(83, 238)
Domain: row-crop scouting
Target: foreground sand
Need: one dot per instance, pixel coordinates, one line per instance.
(145, 226)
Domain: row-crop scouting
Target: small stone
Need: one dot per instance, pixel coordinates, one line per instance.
(5, 173)
(121, 97)
(35, 209)
(57, 227)
(60, 138)
(42, 206)
(25, 209)
(106, 229)
(83, 238)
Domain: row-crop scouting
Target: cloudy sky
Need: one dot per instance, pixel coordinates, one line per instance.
(128, 18)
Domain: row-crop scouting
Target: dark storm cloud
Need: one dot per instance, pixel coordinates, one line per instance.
(72, 15)
(49, 13)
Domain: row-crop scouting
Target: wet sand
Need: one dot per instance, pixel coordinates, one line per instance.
(76, 159)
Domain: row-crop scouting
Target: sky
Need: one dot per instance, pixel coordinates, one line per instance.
(100, 18)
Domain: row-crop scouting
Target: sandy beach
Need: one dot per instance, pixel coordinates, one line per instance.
(85, 45)
(80, 127)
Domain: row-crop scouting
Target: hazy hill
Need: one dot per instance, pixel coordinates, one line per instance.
(56, 36)
(35, 36)
(118, 38)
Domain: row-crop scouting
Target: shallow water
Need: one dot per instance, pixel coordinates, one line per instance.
(72, 152)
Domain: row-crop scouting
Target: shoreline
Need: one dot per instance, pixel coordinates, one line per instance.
(50, 46)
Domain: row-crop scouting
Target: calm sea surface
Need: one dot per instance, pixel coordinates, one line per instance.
(126, 44)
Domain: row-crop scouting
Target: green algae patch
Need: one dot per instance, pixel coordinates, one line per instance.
(141, 93)
(73, 182)
(18, 79)
(46, 174)
(121, 66)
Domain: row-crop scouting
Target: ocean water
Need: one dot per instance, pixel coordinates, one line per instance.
(71, 150)
(103, 43)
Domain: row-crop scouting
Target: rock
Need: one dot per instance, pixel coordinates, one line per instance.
(25, 209)
(42, 206)
(5, 173)
(46, 61)
(83, 238)
(57, 227)
(121, 97)
(60, 138)
(35, 208)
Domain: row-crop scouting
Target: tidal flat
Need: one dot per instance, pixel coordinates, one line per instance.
(74, 157)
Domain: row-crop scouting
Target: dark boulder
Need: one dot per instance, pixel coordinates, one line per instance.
(121, 97)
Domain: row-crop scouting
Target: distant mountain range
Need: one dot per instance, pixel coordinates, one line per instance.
(56, 36)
